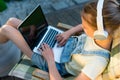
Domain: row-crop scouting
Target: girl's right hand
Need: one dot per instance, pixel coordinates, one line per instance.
(62, 38)
(47, 52)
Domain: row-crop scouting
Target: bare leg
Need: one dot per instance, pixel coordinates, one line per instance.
(10, 33)
(13, 22)
(15, 36)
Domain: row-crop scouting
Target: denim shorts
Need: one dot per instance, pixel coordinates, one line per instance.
(41, 63)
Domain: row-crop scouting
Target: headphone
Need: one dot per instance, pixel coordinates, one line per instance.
(100, 33)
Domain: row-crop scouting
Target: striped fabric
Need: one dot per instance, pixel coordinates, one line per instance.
(27, 71)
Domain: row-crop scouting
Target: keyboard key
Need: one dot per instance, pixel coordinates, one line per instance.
(50, 38)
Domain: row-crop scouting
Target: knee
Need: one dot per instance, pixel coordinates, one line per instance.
(14, 22)
(4, 28)
(11, 20)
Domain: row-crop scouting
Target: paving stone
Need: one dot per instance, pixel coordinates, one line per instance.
(59, 5)
(80, 1)
(47, 9)
(70, 2)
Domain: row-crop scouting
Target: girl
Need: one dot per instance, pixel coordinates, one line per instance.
(90, 56)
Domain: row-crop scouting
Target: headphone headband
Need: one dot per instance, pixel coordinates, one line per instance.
(100, 33)
(99, 14)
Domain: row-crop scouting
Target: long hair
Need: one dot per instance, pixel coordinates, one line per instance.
(110, 13)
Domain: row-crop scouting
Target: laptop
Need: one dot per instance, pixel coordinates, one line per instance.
(36, 31)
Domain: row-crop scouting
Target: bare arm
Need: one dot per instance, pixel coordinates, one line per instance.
(75, 29)
(53, 72)
(63, 37)
(49, 57)
(82, 76)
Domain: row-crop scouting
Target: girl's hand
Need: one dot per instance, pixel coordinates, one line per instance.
(47, 52)
(62, 38)
(48, 55)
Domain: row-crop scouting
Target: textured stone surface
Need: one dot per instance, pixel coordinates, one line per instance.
(60, 5)
(21, 8)
(80, 1)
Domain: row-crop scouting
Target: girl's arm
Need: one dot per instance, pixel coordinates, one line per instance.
(75, 29)
(63, 37)
(82, 76)
(53, 72)
(49, 57)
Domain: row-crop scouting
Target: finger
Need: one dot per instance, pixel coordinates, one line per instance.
(47, 46)
(43, 46)
(42, 52)
(62, 42)
(40, 49)
(58, 37)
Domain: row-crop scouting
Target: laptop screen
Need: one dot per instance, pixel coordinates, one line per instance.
(34, 27)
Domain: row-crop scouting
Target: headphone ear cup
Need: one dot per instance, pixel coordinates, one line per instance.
(100, 35)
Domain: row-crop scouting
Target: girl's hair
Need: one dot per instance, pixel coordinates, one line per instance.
(110, 13)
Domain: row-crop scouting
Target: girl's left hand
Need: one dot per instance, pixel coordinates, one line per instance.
(47, 52)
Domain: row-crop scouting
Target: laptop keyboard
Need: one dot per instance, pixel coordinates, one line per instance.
(50, 38)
